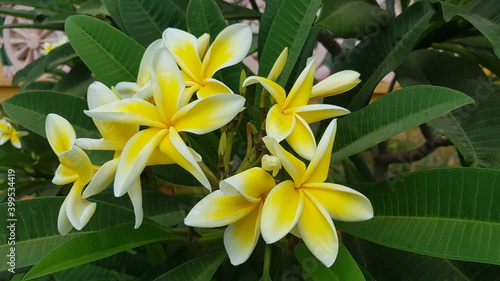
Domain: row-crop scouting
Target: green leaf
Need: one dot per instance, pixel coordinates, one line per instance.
(198, 269)
(392, 114)
(204, 16)
(37, 227)
(113, 9)
(52, 5)
(348, 18)
(30, 109)
(381, 53)
(111, 55)
(473, 129)
(449, 213)
(97, 245)
(145, 20)
(344, 268)
(76, 82)
(391, 264)
(236, 12)
(483, 15)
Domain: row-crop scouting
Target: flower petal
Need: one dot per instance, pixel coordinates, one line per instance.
(184, 48)
(336, 83)
(60, 133)
(131, 111)
(217, 209)
(99, 94)
(318, 232)
(100, 144)
(78, 160)
(203, 45)
(301, 90)
(175, 149)
(134, 158)
(208, 114)
(167, 84)
(230, 47)
(251, 183)
(281, 211)
(279, 125)
(126, 89)
(212, 87)
(278, 65)
(64, 226)
(102, 178)
(317, 170)
(272, 87)
(341, 202)
(302, 139)
(147, 61)
(241, 237)
(79, 210)
(292, 164)
(135, 193)
(14, 139)
(316, 112)
(64, 175)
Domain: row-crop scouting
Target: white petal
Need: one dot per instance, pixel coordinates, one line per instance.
(336, 83)
(135, 193)
(102, 178)
(60, 133)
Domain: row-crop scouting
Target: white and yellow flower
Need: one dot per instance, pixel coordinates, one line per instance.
(238, 203)
(199, 60)
(75, 167)
(171, 114)
(8, 132)
(306, 204)
(290, 117)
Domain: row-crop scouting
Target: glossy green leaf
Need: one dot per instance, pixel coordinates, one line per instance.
(392, 114)
(473, 129)
(449, 213)
(387, 264)
(111, 55)
(30, 109)
(97, 245)
(348, 18)
(266, 21)
(145, 20)
(344, 268)
(377, 55)
(484, 15)
(37, 228)
(52, 5)
(204, 16)
(198, 269)
(236, 12)
(113, 9)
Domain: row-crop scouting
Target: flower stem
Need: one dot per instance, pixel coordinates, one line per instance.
(267, 260)
(214, 181)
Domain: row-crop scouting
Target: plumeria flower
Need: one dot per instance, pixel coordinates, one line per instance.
(8, 132)
(171, 114)
(114, 137)
(238, 203)
(289, 117)
(199, 62)
(271, 163)
(306, 204)
(75, 168)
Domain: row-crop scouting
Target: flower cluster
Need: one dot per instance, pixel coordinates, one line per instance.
(145, 123)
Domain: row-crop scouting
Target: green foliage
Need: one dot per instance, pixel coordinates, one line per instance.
(434, 224)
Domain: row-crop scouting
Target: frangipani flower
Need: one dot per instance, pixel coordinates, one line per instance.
(311, 203)
(238, 203)
(114, 137)
(289, 117)
(8, 132)
(75, 167)
(171, 114)
(198, 64)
